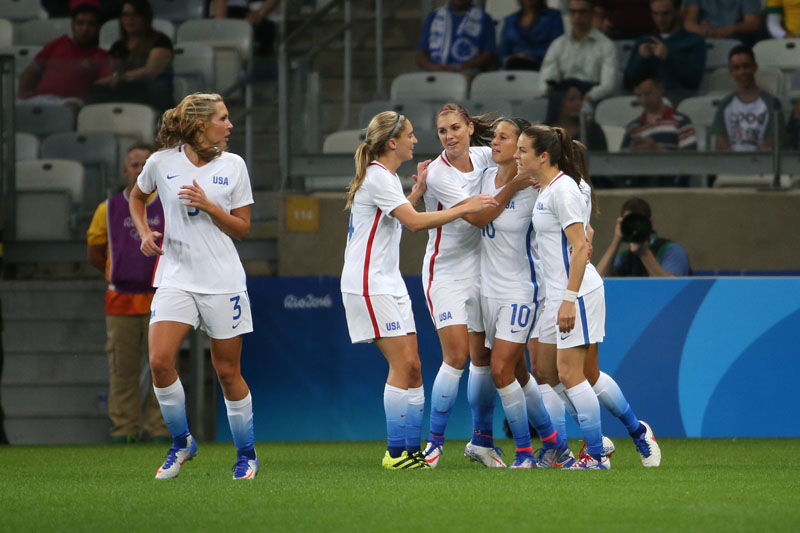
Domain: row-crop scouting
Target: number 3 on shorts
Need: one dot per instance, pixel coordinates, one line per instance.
(236, 307)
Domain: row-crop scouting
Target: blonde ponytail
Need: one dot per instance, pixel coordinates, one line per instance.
(382, 127)
(181, 124)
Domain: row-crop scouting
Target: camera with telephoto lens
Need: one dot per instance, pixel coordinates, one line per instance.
(635, 228)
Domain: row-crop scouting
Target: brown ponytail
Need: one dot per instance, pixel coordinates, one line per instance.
(582, 167)
(181, 124)
(558, 144)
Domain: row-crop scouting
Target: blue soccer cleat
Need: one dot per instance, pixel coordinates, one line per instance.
(523, 460)
(587, 462)
(176, 457)
(245, 468)
(560, 457)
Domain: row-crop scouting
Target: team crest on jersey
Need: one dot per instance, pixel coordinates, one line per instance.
(221, 180)
(540, 206)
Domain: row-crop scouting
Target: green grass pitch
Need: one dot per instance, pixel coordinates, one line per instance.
(702, 485)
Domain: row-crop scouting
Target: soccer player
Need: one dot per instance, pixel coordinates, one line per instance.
(200, 280)
(510, 298)
(559, 219)
(374, 294)
(451, 271)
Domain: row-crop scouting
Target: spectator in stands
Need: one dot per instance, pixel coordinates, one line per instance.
(622, 19)
(564, 105)
(732, 19)
(527, 34)
(263, 28)
(584, 54)
(457, 37)
(793, 127)
(65, 69)
(678, 56)
(646, 254)
(744, 119)
(142, 61)
(789, 26)
(114, 249)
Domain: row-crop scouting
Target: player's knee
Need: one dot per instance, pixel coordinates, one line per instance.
(456, 356)
(414, 368)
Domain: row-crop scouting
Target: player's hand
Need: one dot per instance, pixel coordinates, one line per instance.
(479, 203)
(566, 317)
(521, 181)
(421, 177)
(149, 247)
(194, 196)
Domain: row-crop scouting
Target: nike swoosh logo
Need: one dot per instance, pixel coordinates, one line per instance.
(515, 330)
(235, 325)
(170, 177)
(564, 337)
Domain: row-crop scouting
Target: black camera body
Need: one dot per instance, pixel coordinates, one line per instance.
(636, 228)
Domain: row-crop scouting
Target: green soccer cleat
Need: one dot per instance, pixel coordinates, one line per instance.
(404, 462)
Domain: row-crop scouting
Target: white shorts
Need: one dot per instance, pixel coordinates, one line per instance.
(455, 302)
(508, 320)
(221, 316)
(590, 321)
(375, 317)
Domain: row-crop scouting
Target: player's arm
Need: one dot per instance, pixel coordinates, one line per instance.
(481, 218)
(236, 223)
(577, 266)
(416, 221)
(137, 204)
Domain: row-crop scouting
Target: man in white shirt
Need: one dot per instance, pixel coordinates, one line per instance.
(584, 54)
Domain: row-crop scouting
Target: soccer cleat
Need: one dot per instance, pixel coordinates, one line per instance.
(648, 447)
(608, 447)
(524, 460)
(560, 457)
(245, 468)
(488, 457)
(587, 462)
(433, 452)
(175, 459)
(405, 461)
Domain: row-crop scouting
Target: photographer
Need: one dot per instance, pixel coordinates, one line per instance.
(647, 254)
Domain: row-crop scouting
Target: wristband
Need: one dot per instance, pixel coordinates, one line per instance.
(570, 296)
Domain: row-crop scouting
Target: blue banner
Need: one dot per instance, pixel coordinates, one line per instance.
(699, 357)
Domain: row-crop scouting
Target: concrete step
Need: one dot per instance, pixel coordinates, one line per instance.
(54, 368)
(43, 400)
(58, 430)
(47, 300)
(76, 336)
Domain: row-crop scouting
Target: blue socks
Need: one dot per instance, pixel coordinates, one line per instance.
(443, 398)
(584, 401)
(395, 403)
(172, 401)
(240, 418)
(555, 408)
(513, 400)
(537, 415)
(482, 395)
(415, 410)
(610, 396)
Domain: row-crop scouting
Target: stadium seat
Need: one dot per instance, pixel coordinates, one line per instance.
(44, 119)
(23, 56)
(421, 114)
(717, 51)
(26, 146)
(500, 9)
(194, 62)
(781, 53)
(6, 33)
(430, 86)
(41, 32)
(768, 78)
(96, 151)
(32, 226)
(533, 110)
(130, 122)
(516, 85)
(429, 143)
(109, 32)
(701, 110)
(343, 142)
(179, 10)
(619, 110)
(614, 135)
(21, 10)
(180, 88)
(624, 51)
(751, 180)
(51, 174)
(232, 40)
(499, 108)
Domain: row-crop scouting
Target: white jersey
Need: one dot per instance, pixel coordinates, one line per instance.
(586, 192)
(372, 254)
(453, 251)
(198, 256)
(560, 205)
(510, 266)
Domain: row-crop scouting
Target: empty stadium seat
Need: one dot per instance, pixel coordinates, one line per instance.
(701, 110)
(614, 135)
(21, 10)
(179, 10)
(717, 51)
(130, 122)
(506, 84)
(499, 108)
(194, 62)
(6, 33)
(41, 32)
(32, 226)
(96, 151)
(428, 143)
(533, 110)
(51, 174)
(232, 40)
(26, 146)
(768, 78)
(44, 119)
(781, 53)
(430, 86)
(23, 55)
(421, 114)
(343, 142)
(618, 110)
(624, 51)
(109, 32)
